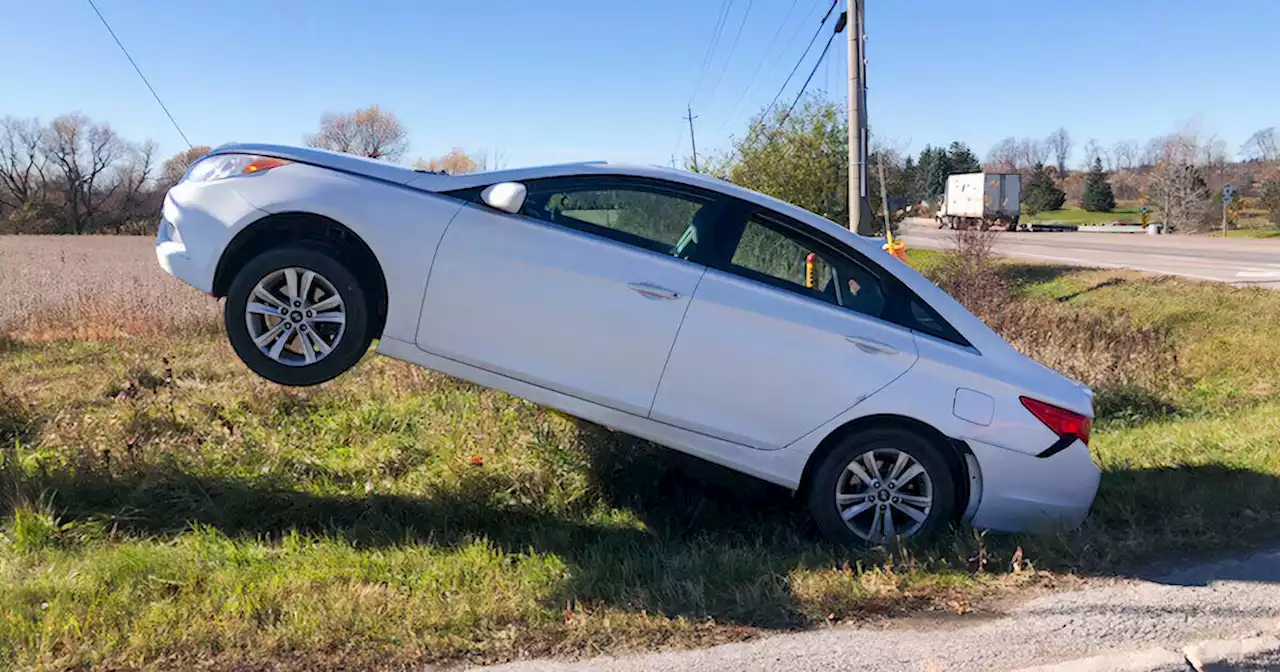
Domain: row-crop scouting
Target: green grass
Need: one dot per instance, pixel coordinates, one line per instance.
(153, 519)
(1124, 212)
(1252, 233)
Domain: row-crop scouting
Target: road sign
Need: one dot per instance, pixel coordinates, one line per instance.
(1228, 193)
(1146, 209)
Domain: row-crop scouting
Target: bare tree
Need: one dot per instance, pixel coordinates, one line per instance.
(176, 166)
(135, 185)
(1094, 151)
(456, 162)
(1154, 150)
(371, 132)
(1003, 157)
(1125, 153)
(1261, 146)
(1178, 185)
(491, 160)
(1029, 153)
(1059, 144)
(22, 164)
(80, 155)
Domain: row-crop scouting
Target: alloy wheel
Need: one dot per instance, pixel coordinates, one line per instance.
(295, 316)
(883, 494)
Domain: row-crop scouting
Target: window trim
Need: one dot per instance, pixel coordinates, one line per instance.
(898, 297)
(784, 226)
(721, 215)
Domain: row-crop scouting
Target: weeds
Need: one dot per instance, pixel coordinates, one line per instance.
(1121, 361)
(172, 510)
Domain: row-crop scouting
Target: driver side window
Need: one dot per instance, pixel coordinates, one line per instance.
(647, 215)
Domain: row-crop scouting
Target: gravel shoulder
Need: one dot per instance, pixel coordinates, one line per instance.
(1140, 624)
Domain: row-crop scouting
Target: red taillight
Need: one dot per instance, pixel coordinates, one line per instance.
(1060, 420)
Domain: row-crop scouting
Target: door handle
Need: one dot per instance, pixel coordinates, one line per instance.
(652, 291)
(872, 346)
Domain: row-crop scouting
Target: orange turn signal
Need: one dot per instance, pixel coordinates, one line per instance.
(265, 163)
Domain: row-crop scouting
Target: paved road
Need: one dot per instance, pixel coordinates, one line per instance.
(1225, 615)
(1237, 261)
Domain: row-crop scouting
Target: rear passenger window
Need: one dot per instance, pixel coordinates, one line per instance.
(775, 255)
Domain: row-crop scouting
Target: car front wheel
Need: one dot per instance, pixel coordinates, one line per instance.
(880, 485)
(297, 316)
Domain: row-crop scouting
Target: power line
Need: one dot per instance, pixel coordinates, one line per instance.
(764, 57)
(711, 48)
(139, 71)
(839, 27)
(732, 48)
(765, 115)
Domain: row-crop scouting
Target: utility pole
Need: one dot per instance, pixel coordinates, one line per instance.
(689, 116)
(857, 117)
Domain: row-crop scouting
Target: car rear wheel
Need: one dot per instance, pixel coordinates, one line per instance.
(880, 485)
(297, 316)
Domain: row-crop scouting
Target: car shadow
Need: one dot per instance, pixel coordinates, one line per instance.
(706, 536)
(1020, 274)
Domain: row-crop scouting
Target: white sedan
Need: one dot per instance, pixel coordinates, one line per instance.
(676, 307)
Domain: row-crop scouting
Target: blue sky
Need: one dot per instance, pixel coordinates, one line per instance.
(564, 80)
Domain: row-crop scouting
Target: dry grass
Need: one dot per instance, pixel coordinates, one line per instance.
(1125, 363)
(163, 508)
(93, 288)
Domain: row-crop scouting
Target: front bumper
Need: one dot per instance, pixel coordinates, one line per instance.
(1025, 493)
(173, 258)
(199, 220)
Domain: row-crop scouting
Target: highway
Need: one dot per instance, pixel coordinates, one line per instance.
(1239, 261)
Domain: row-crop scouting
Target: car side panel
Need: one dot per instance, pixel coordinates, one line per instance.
(402, 226)
(928, 393)
(761, 366)
(782, 467)
(555, 307)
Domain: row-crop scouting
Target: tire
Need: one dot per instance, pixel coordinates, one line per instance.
(334, 347)
(834, 479)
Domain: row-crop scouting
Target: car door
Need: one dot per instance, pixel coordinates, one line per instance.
(582, 292)
(773, 347)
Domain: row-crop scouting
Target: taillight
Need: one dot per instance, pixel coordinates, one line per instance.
(1060, 420)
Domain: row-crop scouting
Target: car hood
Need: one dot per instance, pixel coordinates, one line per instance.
(347, 163)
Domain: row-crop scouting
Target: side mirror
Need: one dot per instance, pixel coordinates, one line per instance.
(505, 196)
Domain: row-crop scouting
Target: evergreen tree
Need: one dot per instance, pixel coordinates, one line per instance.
(1041, 194)
(962, 159)
(1098, 196)
(932, 170)
(910, 179)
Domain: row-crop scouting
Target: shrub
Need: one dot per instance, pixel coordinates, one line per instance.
(1103, 350)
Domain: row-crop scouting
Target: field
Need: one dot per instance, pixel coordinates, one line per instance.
(160, 506)
(1124, 212)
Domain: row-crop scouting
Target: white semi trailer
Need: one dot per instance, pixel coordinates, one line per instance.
(981, 200)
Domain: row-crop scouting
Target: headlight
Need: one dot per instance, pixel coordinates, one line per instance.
(222, 166)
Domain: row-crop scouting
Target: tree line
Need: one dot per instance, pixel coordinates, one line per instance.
(802, 158)
(74, 175)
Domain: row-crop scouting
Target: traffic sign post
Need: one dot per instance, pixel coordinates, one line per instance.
(1228, 194)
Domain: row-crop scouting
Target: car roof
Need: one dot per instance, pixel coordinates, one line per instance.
(440, 182)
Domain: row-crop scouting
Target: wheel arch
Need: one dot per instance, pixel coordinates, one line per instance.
(954, 451)
(281, 228)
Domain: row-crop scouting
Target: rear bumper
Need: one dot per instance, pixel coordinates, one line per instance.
(1025, 493)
